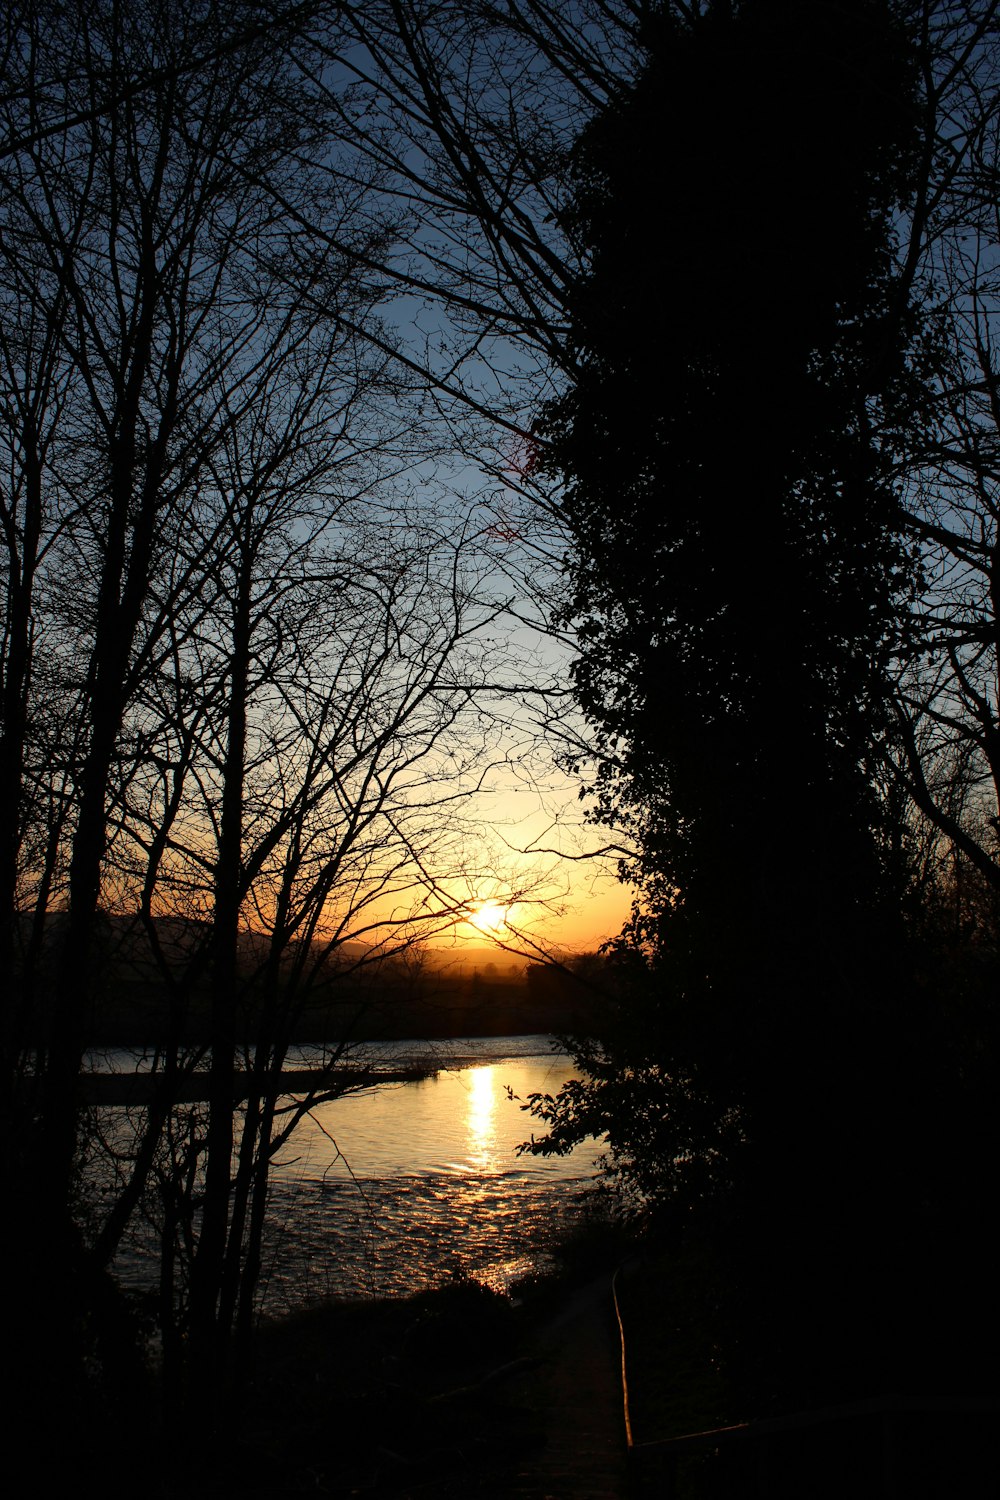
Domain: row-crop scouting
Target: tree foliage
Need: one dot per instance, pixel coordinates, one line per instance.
(727, 454)
(747, 383)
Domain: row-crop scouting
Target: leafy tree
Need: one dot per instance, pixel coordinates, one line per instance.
(744, 371)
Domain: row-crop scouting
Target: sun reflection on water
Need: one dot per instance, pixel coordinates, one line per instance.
(399, 1188)
(479, 1117)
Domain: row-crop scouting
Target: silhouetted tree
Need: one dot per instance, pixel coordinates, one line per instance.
(234, 643)
(737, 574)
(947, 698)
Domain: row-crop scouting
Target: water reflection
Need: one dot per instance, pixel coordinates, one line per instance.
(430, 1185)
(405, 1186)
(480, 1116)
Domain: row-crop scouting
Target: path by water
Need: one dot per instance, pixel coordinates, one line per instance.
(576, 1390)
(453, 1395)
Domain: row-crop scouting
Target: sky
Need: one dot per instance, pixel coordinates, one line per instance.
(564, 901)
(543, 873)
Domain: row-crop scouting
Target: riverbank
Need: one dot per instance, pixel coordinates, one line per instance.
(465, 1394)
(456, 1393)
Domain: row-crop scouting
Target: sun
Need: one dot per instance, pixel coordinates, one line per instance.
(489, 917)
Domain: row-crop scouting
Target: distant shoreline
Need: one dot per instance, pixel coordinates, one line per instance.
(139, 1085)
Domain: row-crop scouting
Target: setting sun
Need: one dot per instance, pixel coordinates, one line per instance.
(489, 917)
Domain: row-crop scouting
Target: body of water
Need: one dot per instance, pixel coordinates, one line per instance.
(408, 1185)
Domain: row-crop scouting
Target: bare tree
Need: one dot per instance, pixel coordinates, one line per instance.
(946, 704)
(155, 253)
(363, 656)
(247, 665)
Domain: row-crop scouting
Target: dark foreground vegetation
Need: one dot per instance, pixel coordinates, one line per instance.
(706, 295)
(467, 1391)
(445, 1393)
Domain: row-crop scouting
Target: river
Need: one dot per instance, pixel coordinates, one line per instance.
(406, 1186)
